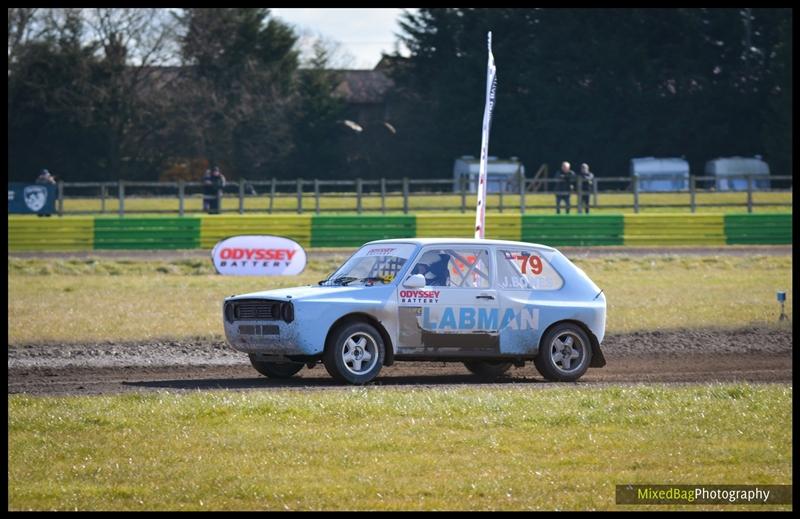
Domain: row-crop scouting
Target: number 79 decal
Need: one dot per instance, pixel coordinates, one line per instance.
(535, 264)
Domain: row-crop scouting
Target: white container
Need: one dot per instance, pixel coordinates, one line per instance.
(661, 174)
(731, 173)
(501, 174)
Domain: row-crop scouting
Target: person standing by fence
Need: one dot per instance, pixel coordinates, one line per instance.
(218, 184)
(565, 181)
(587, 188)
(208, 191)
(45, 178)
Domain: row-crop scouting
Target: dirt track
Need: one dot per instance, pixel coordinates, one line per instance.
(750, 354)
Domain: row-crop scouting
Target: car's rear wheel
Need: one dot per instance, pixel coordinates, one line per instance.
(354, 353)
(564, 354)
(275, 369)
(487, 368)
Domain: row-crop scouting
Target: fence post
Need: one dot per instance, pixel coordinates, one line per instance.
(692, 193)
(60, 198)
(103, 195)
(521, 192)
(181, 193)
(299, 196)
(581, 209)
(316, 195)
(594, 193)
(463, 182)
(121, 188)
(405, 195)
(241, 195)
(271, 195)
(635, 194)
(359, 188)
(749, 193)
(383, 195)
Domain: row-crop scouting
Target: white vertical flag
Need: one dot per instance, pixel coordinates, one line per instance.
(491, 86)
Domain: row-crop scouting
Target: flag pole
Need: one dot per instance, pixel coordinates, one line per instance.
(491, 85)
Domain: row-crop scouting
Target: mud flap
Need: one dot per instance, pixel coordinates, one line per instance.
(598, 360)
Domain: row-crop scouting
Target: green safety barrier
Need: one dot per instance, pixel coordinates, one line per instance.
(28, 233)
(758, 229)
(573, 230)
(147, 233)
(353, 231)
(498, 226)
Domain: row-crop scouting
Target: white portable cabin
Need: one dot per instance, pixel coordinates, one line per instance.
(730, 173)
(501, 174)
(660, 174)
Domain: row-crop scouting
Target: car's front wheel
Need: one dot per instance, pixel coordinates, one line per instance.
(487, 368)
(275, 369)
(354, 353)
(564, 353)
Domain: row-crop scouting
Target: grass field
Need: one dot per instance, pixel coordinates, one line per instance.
(102, 299)
(419, 203)
(552, 448)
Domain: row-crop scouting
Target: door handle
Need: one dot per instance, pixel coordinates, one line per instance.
(484, 296)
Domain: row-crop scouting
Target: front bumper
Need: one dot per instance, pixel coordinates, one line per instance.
(263, 326)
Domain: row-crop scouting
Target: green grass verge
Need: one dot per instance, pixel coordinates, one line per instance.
(419, 203)
(99, 299)
(374, 448)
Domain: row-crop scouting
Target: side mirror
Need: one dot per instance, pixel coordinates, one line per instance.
(415, 281)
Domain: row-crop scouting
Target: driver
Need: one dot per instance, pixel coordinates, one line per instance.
(434, 266)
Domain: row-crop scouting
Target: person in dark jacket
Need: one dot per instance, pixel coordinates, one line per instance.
(587, 188)
(208, 191)
(565, 183)
(45, 178)
(218, 183)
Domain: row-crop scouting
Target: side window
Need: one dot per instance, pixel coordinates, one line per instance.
(525, 269)
(455, 268)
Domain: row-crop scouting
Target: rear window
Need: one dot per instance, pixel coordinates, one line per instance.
(525, 269)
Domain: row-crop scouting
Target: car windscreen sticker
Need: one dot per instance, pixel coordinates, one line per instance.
(397, 250)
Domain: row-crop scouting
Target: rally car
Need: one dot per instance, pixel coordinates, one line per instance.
(490, 304)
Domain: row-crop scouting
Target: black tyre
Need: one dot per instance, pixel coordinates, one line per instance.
(564, 353)
(488, 368)
(354, 353)
(276, 369)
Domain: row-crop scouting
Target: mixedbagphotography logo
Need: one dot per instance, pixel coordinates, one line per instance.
(704, 494)
(35, 197)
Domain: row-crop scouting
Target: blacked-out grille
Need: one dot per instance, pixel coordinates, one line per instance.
(256, 310)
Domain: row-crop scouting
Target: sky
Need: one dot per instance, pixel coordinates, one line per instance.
(361, 34)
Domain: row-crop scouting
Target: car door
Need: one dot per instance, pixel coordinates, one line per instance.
(456, 313)
(528, 288)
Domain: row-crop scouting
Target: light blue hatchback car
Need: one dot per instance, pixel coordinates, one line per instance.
(490, 304)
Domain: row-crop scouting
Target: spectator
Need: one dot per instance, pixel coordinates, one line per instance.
(565, 182)
(587, 187)
(208, 191)
(218, 183)
(45, 178)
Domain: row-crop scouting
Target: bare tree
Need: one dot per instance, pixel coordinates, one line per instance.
(134, 47)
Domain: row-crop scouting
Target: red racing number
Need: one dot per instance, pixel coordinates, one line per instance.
(535, 263)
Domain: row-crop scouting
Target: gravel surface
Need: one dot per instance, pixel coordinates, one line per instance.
(751, 354)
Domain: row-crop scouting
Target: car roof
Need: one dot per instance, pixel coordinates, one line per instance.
(460, 241)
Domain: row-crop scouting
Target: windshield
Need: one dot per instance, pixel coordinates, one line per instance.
(372, 265)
